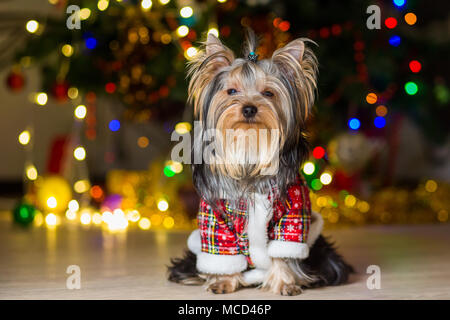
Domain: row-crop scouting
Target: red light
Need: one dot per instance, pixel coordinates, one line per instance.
(318, 152)
(110, 87)
(284, 26)
(324, 32)
(276, 22)
(415, 66)
(391, 23)
(358, 46)
(336, 29)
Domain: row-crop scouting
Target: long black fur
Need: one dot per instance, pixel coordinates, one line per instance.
(324, 263)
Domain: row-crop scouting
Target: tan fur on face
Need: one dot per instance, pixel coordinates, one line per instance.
(223, 283)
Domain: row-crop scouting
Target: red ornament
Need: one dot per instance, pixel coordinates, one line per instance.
(59, 91)
(15, 81)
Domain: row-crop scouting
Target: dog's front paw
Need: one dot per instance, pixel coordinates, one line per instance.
(221, 286)
(290, 290)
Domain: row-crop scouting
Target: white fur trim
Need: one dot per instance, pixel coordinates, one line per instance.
(194, 242)
(288, 249)
(220, 263)
(254, 276)
(260, 212)
(315, 229)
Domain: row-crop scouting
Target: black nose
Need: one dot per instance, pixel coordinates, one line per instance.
(249, 111)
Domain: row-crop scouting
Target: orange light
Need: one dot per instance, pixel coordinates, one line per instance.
(410, 18)
(96, 192)
(381, 111)
(371, 98)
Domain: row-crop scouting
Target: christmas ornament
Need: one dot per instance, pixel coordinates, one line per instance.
(24, 213)
(53, 194)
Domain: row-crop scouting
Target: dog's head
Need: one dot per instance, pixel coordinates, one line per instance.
(240, 96)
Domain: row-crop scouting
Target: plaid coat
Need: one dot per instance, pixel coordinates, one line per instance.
(225, 234)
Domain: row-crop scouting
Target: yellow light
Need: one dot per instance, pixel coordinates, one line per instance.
(326, 178)
(79, 153)
(186, 12)
(442, 215)
(308, 168)
(182, 31)
(133, 216)
(144, 224)
(67, 50)
(214, 31)
(81, 186)
(350, 200)
(85, 13)
(38, 219)
(51, 219)
(221, 1)
(32, 26)
(24, 137)
(52, 203)
(146, 4)
(73, 205)
(183, 127)
(53, 2)
(97, 218)
(166, 38)
(85, 218)
(31, 172)
(176, 166)
(102, 5)
(431, 186)
(41, 98)
(363, 206)
(156, 219)
(168, 222)
(191, 52)
(80, 112)
(163, 205)
(71, 215)
(72, 93)
(322, 201)
(164, 2)
(106, 216)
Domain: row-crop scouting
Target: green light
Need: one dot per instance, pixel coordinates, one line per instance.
(316, 184)
(168, 171)
(411, 88)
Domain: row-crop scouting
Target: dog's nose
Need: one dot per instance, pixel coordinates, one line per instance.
(249, 111)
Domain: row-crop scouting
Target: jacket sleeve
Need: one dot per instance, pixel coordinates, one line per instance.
(288, 236)
(220, 252)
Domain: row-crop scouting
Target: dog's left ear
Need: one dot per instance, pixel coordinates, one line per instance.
(298, 65)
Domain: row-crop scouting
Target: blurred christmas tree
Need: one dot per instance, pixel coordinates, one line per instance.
(370, 80)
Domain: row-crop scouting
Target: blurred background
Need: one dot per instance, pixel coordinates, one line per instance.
(91, 94)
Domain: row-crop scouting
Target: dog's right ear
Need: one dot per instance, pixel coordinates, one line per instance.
(205, 65)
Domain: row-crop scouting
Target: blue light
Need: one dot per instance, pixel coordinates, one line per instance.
(91, 43)
(114, 125)
(354, 124)
(379, 122)
(399, 3)
(394, 41)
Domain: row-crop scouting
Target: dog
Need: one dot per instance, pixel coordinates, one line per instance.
(256, 227)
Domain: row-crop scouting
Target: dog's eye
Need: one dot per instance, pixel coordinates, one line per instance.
(231, 91)
(267, 93)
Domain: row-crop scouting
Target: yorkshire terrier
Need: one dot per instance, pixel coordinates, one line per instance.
(255, 224)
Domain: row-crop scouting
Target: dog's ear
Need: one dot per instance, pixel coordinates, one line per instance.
(298, 65)
(204, 67)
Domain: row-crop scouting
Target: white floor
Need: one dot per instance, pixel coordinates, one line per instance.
(414, 263)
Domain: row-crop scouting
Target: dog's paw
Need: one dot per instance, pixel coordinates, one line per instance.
(290, 290)
(221, 286)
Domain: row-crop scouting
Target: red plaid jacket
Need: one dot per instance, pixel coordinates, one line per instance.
(225, 234)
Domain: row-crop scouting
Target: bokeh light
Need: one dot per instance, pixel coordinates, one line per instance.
(411, 88)
(308, 168)
(415, 66)
(354, 124)
(410, 18)
(114, 125)
(379, 122)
